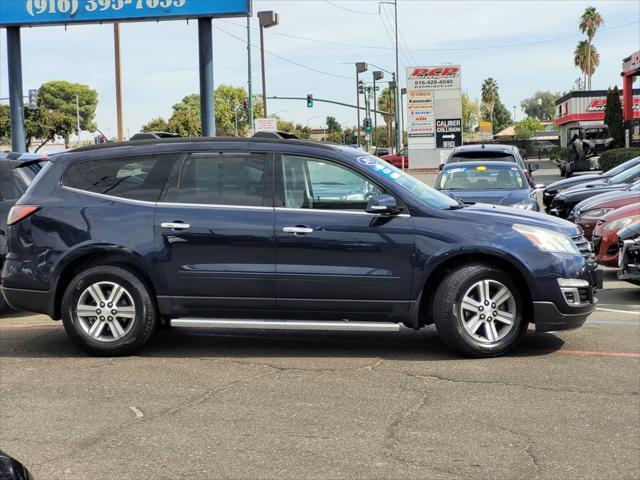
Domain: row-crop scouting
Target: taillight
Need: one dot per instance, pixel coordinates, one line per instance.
(20, 212)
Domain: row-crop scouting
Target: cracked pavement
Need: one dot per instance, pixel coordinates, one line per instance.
(262, 404)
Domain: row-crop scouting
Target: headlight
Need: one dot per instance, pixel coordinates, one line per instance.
(526, 205)
(547, 240)
(597, 213)
(620, 223)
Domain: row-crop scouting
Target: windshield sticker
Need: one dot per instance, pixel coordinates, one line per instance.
(457, 170)
(367, 161)
(481, 168)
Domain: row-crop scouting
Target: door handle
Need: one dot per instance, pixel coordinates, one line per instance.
(297, 230)
(175, 225)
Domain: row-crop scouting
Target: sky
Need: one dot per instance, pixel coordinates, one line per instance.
(524, 45)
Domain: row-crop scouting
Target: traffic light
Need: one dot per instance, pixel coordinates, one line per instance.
(367, 125)
(360, 86)
(309, 100)
(33, 99)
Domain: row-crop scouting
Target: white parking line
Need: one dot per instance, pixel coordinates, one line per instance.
(629, 312)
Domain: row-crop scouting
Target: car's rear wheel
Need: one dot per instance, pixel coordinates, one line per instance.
(478, 311)
(108, 310)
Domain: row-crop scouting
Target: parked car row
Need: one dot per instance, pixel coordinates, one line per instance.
(604, 206)
(288, 234)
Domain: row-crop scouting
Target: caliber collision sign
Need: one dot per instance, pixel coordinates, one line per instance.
(448, 132)
(433, 96)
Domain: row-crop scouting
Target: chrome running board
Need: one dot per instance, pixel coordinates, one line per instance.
(286, 324)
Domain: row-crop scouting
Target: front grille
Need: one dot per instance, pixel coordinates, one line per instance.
(583, 245)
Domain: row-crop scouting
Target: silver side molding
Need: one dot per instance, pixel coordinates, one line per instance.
(286, 324)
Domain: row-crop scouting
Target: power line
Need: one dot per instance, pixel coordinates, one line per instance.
(432, 49)
(359, 12)
(405, 50)
(313, 69)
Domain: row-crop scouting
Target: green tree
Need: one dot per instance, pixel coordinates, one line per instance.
(489, 94)
(60, 96)
(501, 116)
(613, 116)
(297, 129)
(590, 22)
(386, 103)
(525, 128)
(156, 125)
(334, 130)
(469, 113)
(586, 58)
(41, 123)
(541, 105)
(5, 124)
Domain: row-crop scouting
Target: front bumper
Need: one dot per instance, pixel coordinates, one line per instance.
(561, 315)
(629, 261)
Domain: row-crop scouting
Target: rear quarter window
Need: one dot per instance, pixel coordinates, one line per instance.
(134, 177)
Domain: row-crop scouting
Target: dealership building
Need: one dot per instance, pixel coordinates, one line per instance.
(584, 108)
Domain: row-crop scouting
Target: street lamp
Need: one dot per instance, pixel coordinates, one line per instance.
(361, 67)
(266, 19)
(377, 75)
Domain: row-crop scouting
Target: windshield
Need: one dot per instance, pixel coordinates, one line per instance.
(429, 195)
(482, 155)
(481, 177)
(596, 133)
(622, 167)
(628, 174)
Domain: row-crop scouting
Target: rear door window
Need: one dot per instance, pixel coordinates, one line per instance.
(139, 177)
(234, 179)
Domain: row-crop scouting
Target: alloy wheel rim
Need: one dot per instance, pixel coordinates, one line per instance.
(488, 311)
(106, 311)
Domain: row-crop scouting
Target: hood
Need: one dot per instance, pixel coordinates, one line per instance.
(494, 197)
(577, 192)
(604, 199)
(571, 182)
(587, 185)
(508, 216)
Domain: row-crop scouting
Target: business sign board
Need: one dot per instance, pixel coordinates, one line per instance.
(448, 132)
(266, 124)
(51, 12)
(433, 95)
(486, 130)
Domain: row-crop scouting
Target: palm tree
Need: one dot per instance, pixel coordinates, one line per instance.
(590, 22)
(489, 95)
(586, 58)
(386, 103)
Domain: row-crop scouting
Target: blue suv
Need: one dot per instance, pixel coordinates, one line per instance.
(118, 239)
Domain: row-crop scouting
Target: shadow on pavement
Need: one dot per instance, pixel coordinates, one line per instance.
(409, 345)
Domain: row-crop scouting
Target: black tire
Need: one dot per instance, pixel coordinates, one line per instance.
(4, 306)
(144, 320)
(446, 311)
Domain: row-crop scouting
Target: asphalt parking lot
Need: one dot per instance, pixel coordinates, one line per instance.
(250, 404)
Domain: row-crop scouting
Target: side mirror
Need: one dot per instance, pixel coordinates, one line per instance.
(533, 167)
(441, 166)
(382, 203)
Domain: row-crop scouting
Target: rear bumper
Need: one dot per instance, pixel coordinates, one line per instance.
(30, 300)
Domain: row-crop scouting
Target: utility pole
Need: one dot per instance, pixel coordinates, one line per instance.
(249, 85)
(116, 48)
(377, 75)
(361, 67)
(78, 116)
(266, 19)
(205, 67)
(16, 100)
(397, 79)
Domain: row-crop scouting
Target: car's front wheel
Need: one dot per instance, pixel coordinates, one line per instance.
(478, 311)
(108, 310)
